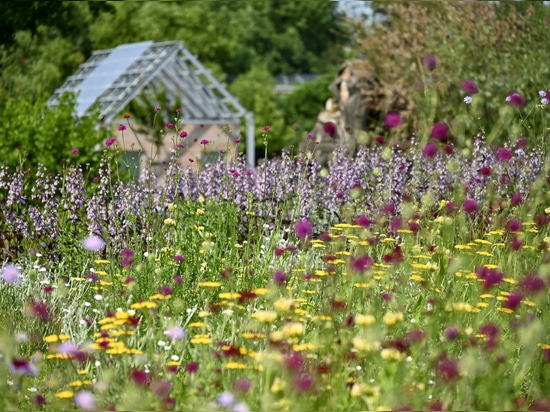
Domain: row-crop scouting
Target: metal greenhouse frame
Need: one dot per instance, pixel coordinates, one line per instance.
(113, 78)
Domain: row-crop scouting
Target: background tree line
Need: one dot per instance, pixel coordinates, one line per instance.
(246, 43)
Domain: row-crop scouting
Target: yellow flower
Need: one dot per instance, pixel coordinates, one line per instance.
(278, 385)
(64, 394)
(391, 318)
(229, 295)
(235, 365)
(169, 222)
(364, 320)
(284, 304)
(142, 305)
(364, 345)
(265, 316)
(171, 207)
(293, 329)
(210, 284)
(391, 354)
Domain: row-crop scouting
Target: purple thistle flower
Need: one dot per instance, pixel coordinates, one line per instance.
(469, 86)
(392, 120)
(430, 62)
(451, 333)
(440, 131)
(504, 154)
(279, 277)
(429, 150)
(303, 229)
(11, 274)
(469, 206)
(329, 128)
(515, 99)
(22, 366)
(513, 300)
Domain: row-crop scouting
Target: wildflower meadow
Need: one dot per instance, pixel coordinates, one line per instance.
(393, 279)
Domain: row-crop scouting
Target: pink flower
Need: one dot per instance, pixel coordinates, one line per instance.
(175, 332)
(93, 243)
(179, 110)
(75, 151)
(110, 142)
(121, 127)
(266, 128)
(85, 400)
(157, 109)
(11, 274)
(126, 116)
(392, 120)
(204, 142)
(169, 125)
(430, 62)
(183, 134)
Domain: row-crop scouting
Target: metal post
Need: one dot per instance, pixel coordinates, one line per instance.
(250, 139)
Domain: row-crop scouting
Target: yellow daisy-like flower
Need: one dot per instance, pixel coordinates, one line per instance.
(364, 320)
(209, 284)
(392, 318)
(293, 329)
(64, 394)
(392, 354)
(229, 295)
(265, 316)
(234, 365)
(144, 305)
(284, 304)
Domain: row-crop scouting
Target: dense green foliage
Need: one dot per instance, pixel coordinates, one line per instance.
(31, 133)
(498, 45)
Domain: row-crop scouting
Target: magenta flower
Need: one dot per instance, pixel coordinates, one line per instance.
(85, 400)
(469, 86)
(266, 128)
(513, 300)
(242, 385)
(11, 274)
(430, 62)
(515, 99)
(504, 154)
(360, 263)
(192, 367)
(516, 199)
(204, 142)
(430, 150)
(169, 125)
(21, 366)
(179, 258)
(469, 206)
(93, 243)
(513, 225)
(126, 116)
(75, 151)
(392, 120)
(451, 333)
(329, 128)
(140, 377)
(110, 142)
(440, 131)
(183, 134)
(121, 127)
(279, 277)
(175, 332)
(303, 229)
